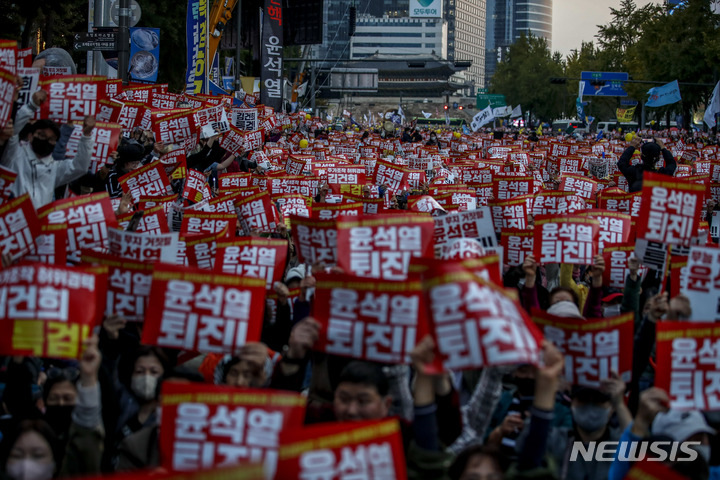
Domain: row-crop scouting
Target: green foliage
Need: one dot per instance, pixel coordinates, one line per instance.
(523, 78)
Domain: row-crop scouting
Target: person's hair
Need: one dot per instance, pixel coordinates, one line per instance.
(368, 374)
(24, 426)
(43, 124)
(127, 363)
(457, 467)
(576, 299)
(59, 375)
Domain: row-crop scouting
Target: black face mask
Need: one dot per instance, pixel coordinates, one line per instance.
(59, 417)
(42, 148)
(525, 386)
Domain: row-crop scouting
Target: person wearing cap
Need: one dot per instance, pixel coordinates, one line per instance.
(655, 420)
(612, 304)
(129, 158)
(650, 155)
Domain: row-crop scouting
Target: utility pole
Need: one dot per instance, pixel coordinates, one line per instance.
(123, 40)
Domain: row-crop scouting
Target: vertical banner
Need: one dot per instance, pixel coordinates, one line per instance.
(196, 34)
(144, 54)
(687, 364)
(272, 46)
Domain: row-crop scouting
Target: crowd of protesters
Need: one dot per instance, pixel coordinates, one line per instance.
(99, 414)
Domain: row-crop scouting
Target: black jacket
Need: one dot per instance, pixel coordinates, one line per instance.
(634, 173)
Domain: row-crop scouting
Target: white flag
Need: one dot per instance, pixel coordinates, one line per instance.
(517, 112)
(426, 114)
(346, 113)
(302, 89)
(501, 112)
(482, 118)
(713, 107)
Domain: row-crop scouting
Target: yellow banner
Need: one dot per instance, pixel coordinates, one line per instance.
(625, 114)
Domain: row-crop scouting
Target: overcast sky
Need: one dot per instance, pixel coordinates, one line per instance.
(575, 21)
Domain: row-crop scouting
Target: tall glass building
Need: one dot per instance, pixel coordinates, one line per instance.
(507, 20)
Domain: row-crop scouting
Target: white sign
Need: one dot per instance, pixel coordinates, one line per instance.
(482, 118)
(426, 9)
(698, 283)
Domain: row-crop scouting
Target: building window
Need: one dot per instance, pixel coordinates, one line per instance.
(429, 45)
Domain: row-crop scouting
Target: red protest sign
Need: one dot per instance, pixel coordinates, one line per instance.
(346, 175)
(128, 285)
(197, 222)
(328, 211)
(50, 245)
(369, 449)
(257, 212)
(173, 126)
(381, 246)
(196, 188)
(369, 319)
(476, 224)
(552, 202)
(7, 91)
(262, 258)
(7, 178)
(616, 258)
(510, 213)
(687, 363)
(153, 221)
(143, 247)
(295, 204)
(47, 311)
(203, 312)
(614, 227)
(19, 226)
(199, 250)
(71, 97)
(88, 219)
(392, 176)
(701, 283)
(147, 181)
(593, 349)
(8, 56)
(510, 186)
(105, 138)
(517, 244)
(231, 181)
(671, 209)
(652, 469)
(580, 185)
(207, 426)
(566, 239)
(617, 200)
(475, 323)
(315, 240)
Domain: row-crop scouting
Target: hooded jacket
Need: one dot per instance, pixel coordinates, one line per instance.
(634, 173)
(39, 177)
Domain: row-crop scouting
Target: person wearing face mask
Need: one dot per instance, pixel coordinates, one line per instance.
(31, 451)
(139, 372)
(612, 305)
(38, 173)
(598, 415)
(656, 421)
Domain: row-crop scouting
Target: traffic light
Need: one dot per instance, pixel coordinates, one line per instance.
(446, 107)
(460, 107)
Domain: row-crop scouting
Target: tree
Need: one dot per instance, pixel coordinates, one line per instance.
(524, 78)
(680, 46)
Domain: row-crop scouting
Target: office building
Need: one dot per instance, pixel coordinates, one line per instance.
(507, 20)
(398, 36)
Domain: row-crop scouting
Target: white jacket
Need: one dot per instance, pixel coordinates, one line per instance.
(40, 176)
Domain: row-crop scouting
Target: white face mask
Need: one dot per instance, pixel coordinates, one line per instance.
(28, 469)
(611, 311)
(144, 386)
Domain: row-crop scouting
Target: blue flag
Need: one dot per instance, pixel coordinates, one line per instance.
(665, 95)
(466, 130)
(579, 108)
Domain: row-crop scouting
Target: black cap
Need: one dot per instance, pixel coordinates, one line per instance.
(130, 151)
(650, 150)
